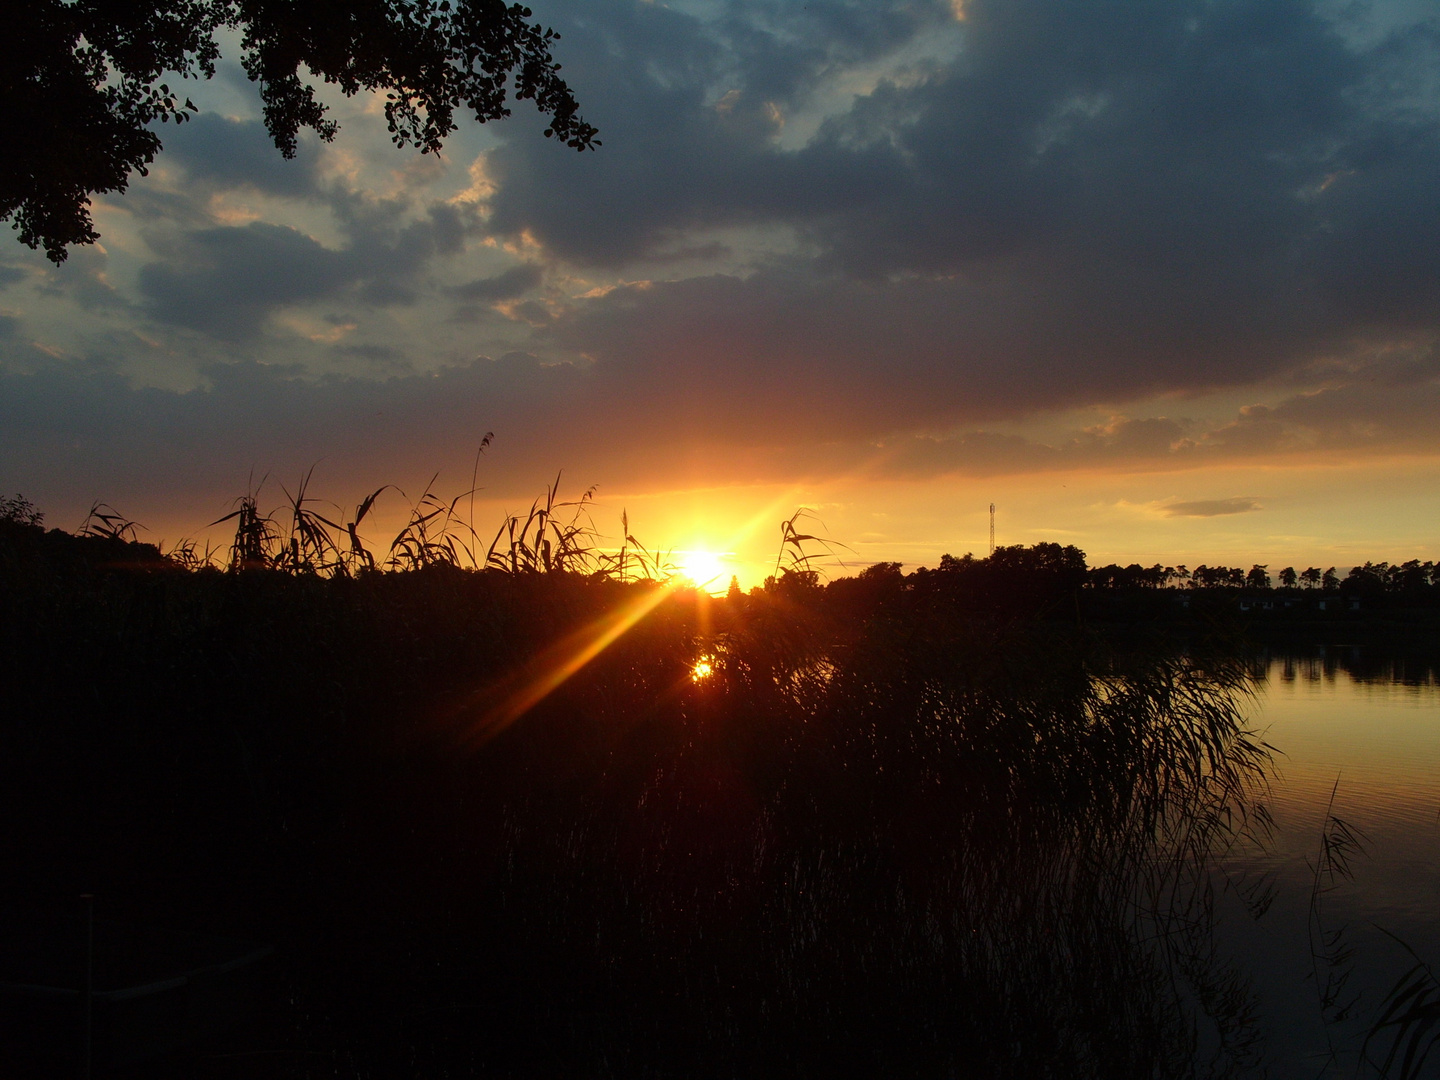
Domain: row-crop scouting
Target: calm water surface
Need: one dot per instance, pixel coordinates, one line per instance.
(1366, 728)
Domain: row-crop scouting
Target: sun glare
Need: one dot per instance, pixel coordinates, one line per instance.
(703, 568)
(703, 669)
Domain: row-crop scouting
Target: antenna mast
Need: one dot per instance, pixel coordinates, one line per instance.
(992, 528)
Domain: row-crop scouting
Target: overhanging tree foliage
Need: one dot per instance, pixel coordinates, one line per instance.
(80, 82)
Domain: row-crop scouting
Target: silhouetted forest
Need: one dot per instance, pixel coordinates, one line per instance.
(899, 824)
(1411, 582)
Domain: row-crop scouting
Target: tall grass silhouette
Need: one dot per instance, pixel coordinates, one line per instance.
(890, 832)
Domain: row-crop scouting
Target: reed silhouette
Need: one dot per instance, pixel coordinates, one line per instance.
(898, 825)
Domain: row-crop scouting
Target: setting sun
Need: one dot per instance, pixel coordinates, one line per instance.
(703, 568)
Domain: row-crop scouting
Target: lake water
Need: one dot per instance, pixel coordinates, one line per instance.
(1366, 727)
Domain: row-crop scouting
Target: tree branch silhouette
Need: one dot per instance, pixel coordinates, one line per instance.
(82, 90)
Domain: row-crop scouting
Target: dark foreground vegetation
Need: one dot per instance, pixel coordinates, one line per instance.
(893, 826)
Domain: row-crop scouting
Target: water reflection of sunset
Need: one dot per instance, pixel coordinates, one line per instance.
(1380, 738)
(1361, 728)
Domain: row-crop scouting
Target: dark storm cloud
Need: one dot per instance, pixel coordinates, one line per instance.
(67, 428)
(71, 428)
(513, 283)
(1051, 112)
(449, 225)
(1053, 204)
(217, 155)
(1210, 507)
(226, 281)
(229, 153)
(1169, 134)
(1088, 202)
(382, 357)
(82, 279)
(688, 111)
(847, 357)
(1393, 404)
(1383, 404)
(975, 453)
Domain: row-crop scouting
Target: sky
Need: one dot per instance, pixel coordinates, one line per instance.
(1158, 280)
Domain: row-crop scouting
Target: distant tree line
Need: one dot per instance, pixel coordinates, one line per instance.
(1373, 578)
(1043, 577)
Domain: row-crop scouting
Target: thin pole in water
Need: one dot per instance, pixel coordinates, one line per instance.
(88, 990)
